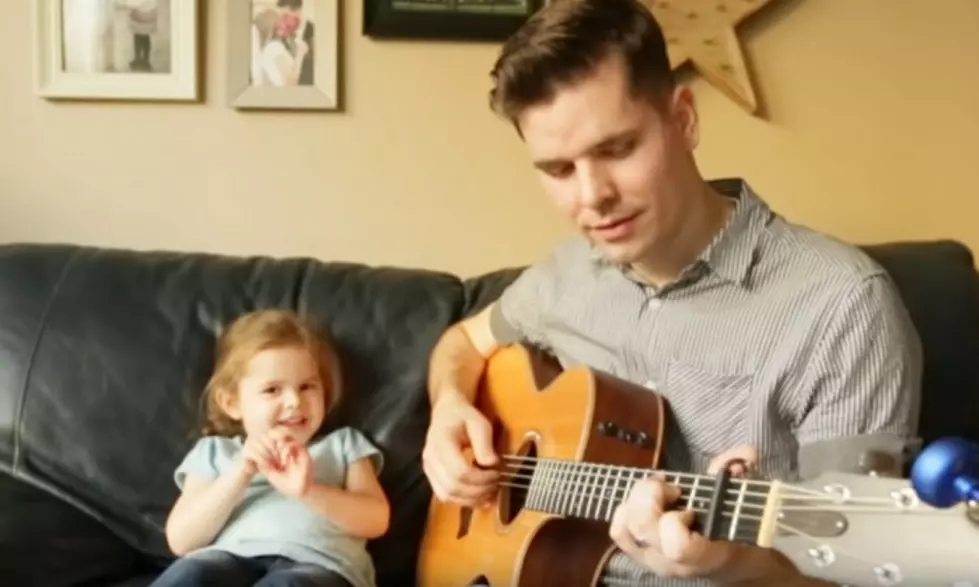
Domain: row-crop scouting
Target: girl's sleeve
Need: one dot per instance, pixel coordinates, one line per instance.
(201, 461)
(356, 446)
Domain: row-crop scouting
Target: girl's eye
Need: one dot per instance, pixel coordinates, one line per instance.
(270, 390)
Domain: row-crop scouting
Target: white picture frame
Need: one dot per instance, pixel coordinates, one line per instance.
(116, 49)
(252, 51)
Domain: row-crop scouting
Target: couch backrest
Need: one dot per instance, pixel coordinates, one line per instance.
(939, 284)
(103, 355)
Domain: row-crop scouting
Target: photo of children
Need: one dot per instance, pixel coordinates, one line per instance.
(282, 43)
(123, 36)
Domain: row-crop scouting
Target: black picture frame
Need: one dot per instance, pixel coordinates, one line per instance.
(382, 20)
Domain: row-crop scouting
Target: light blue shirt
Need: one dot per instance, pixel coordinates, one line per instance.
(266, 522)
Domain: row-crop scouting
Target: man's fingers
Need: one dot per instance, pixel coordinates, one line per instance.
(469, 488)
(481, 439)
(745, 452)
(437, 479)
(619, 531)
(674, 529)
(447, 451)
(651, 497)
(449, 454)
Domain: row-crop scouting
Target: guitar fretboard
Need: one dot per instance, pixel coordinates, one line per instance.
(593, 491)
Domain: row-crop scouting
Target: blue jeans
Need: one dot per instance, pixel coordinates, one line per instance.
(223, 569)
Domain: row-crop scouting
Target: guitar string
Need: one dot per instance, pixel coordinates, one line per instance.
(732, 516)
(602, 491)
(600, 475)
(707, 483)
(639, 473)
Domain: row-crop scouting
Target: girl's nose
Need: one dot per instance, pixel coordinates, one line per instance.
(290, 397)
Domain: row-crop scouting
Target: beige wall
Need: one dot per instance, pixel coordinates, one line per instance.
(872, 110)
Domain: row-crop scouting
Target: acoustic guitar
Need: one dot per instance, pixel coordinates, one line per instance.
(572, 443)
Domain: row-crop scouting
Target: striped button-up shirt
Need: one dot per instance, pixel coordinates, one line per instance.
(777, 337)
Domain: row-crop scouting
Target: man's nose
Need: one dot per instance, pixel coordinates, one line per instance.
(595, 186)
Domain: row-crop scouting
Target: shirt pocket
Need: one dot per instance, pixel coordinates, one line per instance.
(709, 406)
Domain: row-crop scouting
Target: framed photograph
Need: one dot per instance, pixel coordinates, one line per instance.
(456, 20)
(284, 54)
(116, 49)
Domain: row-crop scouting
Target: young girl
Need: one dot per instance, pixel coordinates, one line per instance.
(264, 500)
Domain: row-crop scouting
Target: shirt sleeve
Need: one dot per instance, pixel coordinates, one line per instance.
(517, 314)
(200, 461)
(357, 446)
(862, 386)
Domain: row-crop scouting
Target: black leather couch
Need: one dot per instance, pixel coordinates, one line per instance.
(103, 354)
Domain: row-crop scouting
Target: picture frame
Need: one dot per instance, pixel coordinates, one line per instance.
(281, 57)
(450, 20)
(116, 49)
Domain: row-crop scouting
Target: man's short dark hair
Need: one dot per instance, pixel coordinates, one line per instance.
(565, 40)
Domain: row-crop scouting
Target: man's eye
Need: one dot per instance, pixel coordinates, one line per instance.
(620, 149)
(559, 170)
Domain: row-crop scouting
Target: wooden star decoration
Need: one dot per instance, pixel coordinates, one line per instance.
(703, 33)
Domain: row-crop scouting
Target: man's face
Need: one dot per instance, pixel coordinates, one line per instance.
(613, 163)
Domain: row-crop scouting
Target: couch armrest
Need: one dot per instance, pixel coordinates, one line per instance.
(45, 542)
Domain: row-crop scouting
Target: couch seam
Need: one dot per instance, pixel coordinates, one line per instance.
(19, 418)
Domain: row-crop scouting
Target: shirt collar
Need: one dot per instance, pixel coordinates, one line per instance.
(731, 254)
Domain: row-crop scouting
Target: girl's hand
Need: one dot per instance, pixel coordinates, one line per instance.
(295, 475)
(259, 455)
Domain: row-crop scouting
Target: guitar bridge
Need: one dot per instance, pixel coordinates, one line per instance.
(635, 437)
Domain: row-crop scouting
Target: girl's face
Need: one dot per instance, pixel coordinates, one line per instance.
(280, 392)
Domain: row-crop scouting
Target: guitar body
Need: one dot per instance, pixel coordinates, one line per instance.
(540, 411)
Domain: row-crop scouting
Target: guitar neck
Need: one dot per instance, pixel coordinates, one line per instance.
(733, 510)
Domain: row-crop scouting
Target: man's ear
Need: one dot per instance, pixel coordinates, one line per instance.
(229, 404)
(684, 107)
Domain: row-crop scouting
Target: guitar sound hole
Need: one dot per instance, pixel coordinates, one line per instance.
(518, 473)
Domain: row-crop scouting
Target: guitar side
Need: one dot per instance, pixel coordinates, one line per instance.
(540, 411)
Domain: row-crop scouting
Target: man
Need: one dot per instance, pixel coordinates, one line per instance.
(767, 339)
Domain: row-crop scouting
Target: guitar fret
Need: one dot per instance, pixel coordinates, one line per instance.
(692, 499)
(556, 474)
(595, 492)
(533, 488)
(547, 502)
(563, 482)
(736, 516)
(611, 492)
(574, 483)
(582, 499)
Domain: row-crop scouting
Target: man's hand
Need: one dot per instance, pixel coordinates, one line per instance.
(663, 541)
(456, 425)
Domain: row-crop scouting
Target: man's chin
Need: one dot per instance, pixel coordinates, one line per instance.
(618, 253)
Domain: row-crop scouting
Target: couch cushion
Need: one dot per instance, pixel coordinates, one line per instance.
(106, 352)
(938, 283)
